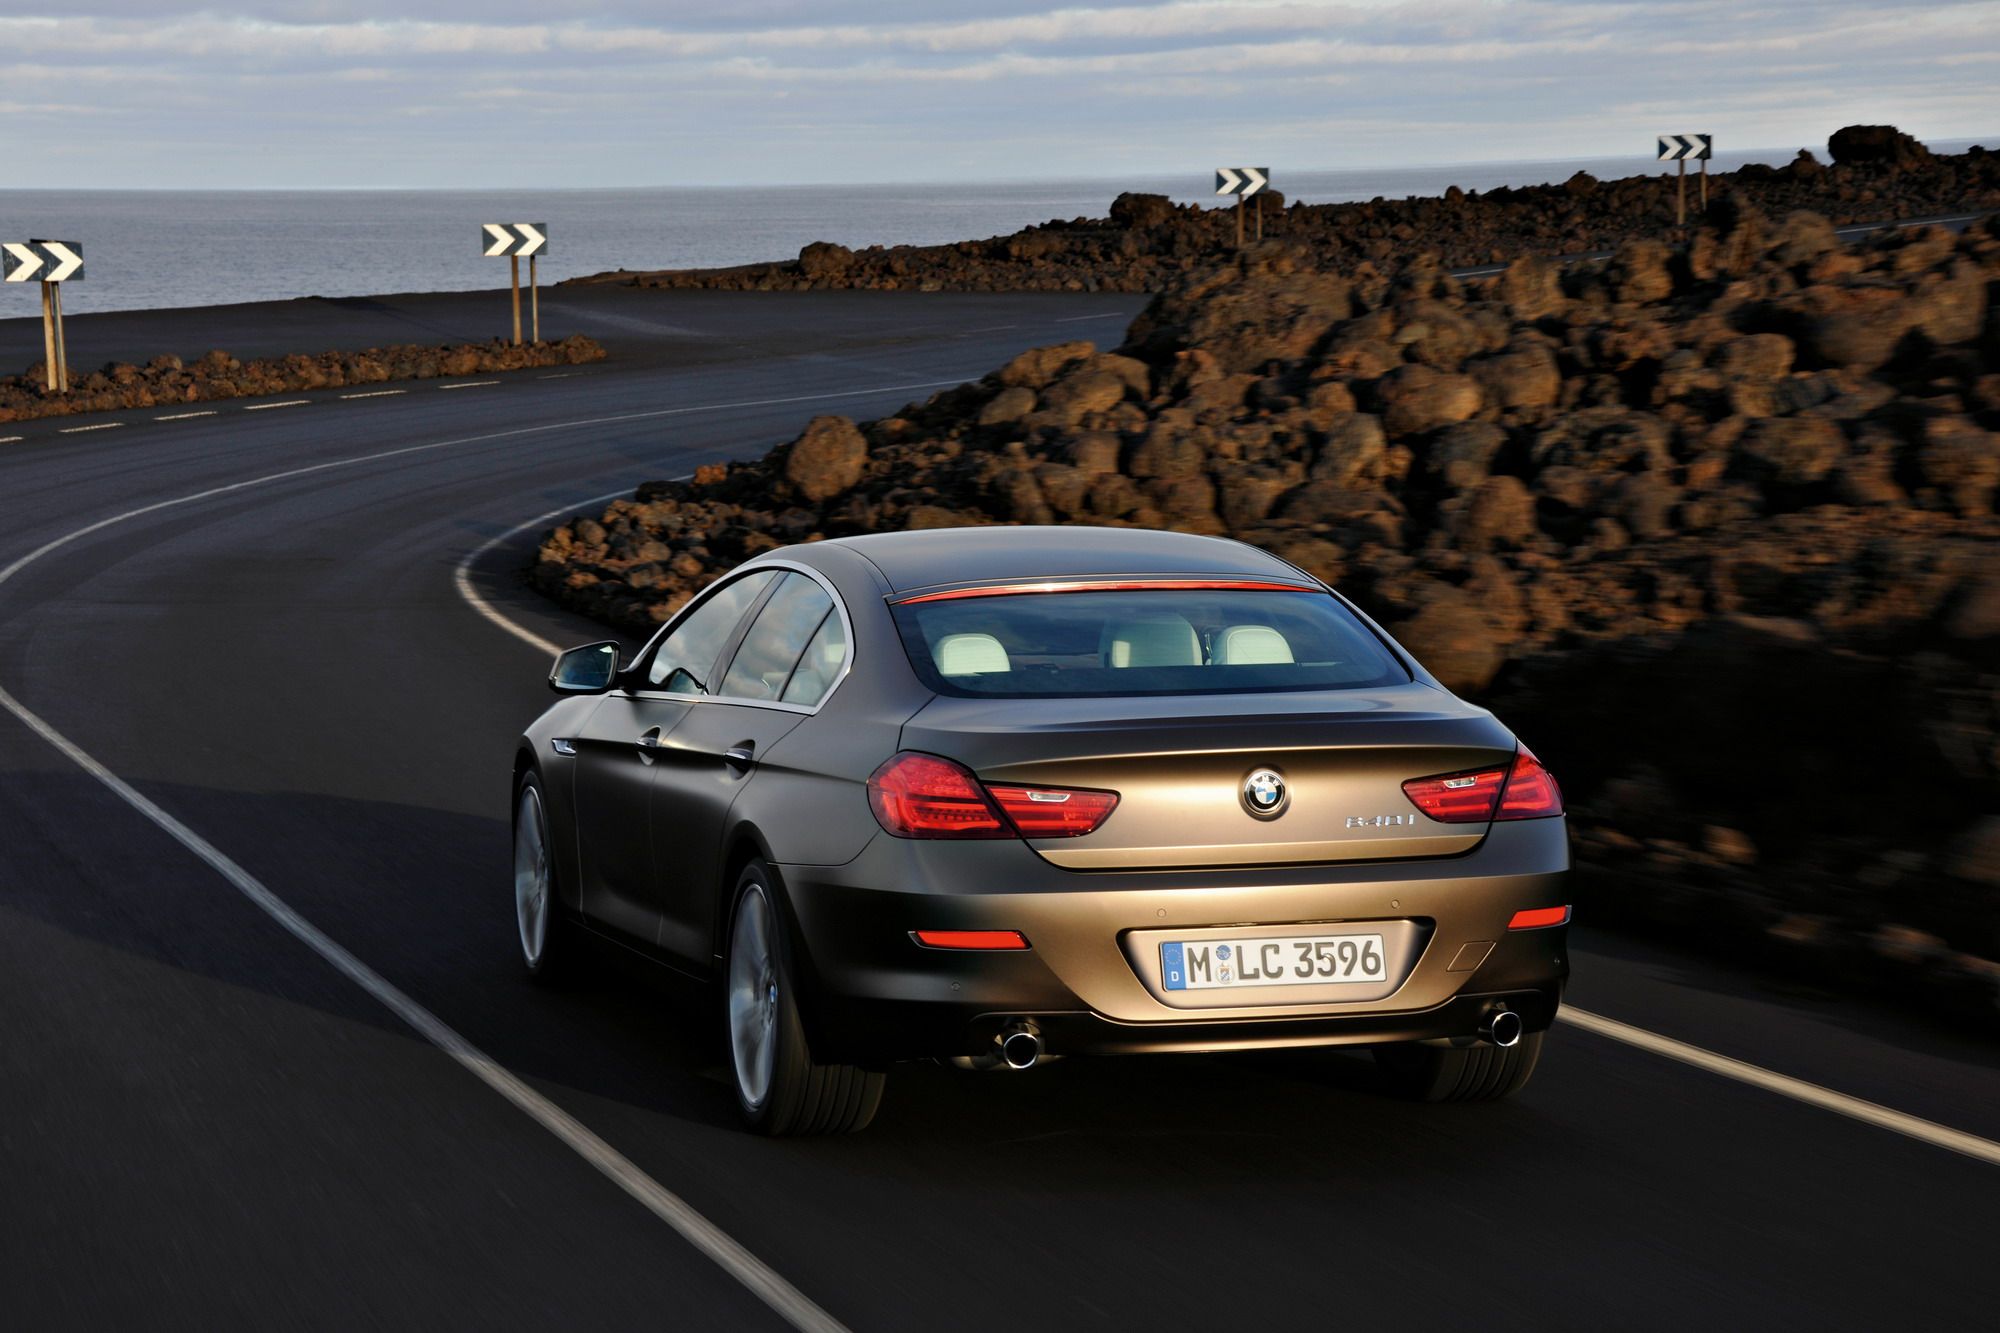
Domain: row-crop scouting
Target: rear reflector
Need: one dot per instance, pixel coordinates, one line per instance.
(1538, 918)
(971, 939)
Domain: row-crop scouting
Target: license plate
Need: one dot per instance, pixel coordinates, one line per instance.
(1304, 960)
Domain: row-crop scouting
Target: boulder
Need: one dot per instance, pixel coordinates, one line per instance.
(826, 459)
(1417, 398)
(1871, 145)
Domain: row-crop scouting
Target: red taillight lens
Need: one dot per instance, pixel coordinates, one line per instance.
(971, 939)
(923, 796)
(1539, 918)
(1054, 812)
(1531, 790)
(1458, 798)
(1525, 791)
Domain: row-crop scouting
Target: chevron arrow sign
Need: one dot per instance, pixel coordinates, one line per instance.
(501, 239)
(42, 261)
(1243, 181)
(1686, 147)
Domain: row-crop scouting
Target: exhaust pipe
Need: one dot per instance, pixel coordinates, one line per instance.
(1502, 1027)
(1021, 1047)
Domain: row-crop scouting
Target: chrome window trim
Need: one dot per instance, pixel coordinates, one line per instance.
(793, 566)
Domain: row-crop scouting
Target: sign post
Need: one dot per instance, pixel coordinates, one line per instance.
(511, 240)
(1243, 182)
(535, 295)
(1678, 148)
(51, 263)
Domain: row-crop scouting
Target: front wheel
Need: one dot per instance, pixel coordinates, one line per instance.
(539, 925)
(779, 1088)
(1480, 1073)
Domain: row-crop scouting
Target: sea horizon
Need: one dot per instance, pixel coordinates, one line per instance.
(148, 248)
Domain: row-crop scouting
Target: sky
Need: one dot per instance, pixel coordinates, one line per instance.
(608, 93)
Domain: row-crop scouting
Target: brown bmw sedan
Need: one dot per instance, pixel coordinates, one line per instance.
(1002, 794)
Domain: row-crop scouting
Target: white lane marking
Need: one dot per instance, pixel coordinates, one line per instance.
(1872, 1113)
(183, 416)
(266, 407)
(376, 393)
(669, 1207)
(461, 577)
(755, 1276)
(469, 384)
(565, 375)
(78, 430)
(13, 439)
(1078, 319)
(990, 328)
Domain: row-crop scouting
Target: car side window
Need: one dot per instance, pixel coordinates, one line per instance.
(686, 659)
(819, 666)
(771, 648)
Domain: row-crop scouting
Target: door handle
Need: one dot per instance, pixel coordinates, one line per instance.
(649, 745)
(742, 757)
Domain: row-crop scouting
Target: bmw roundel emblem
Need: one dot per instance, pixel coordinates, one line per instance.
(1265, 794)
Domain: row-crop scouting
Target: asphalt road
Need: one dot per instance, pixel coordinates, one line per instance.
(204, 1125)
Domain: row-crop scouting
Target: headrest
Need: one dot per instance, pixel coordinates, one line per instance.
(970, 655)
(1155, 641)
(1252, 645)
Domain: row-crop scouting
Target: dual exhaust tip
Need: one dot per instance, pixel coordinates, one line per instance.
(1021, 1045)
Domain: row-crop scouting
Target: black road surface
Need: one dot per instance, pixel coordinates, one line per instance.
(205, 1125)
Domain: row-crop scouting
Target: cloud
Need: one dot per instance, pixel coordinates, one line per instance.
(617, 91)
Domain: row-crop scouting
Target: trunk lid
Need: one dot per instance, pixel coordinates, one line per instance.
(1180, 765)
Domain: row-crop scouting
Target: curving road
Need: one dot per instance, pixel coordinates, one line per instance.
(204, 1123)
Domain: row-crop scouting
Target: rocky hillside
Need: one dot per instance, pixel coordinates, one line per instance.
(1147, 242)
(168, 380)
(1714, 530)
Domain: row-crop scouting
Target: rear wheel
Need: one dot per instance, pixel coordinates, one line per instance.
(543, 933)
(779, 1088)
(1478, 1073)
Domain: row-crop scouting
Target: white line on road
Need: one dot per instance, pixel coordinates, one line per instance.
(78, 430)
(462, 576)
(13, 439)
(1955, 1140)
(990, 328)
(375, 393)
(469, 384)
(183, 416)
(1078, 319)
(756, 1276)
(266, 407)
(565, 375)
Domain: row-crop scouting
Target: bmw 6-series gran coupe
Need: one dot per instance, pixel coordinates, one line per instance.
(1002, 794)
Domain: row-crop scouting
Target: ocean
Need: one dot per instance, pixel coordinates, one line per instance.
(147, 249)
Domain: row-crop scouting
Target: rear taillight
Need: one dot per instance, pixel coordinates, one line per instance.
(1457, 798)
(923, 796)
(1531, 790)
(1052, 812)
(1524, 790)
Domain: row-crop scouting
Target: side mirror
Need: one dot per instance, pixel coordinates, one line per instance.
(586, 670)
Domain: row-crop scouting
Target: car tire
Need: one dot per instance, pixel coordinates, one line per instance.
(780, 1089)
(543, 934)
(1477, 1073)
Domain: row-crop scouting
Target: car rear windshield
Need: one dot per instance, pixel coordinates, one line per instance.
(1070, 645)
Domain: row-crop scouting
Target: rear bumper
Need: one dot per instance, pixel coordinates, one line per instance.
(873, 995)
